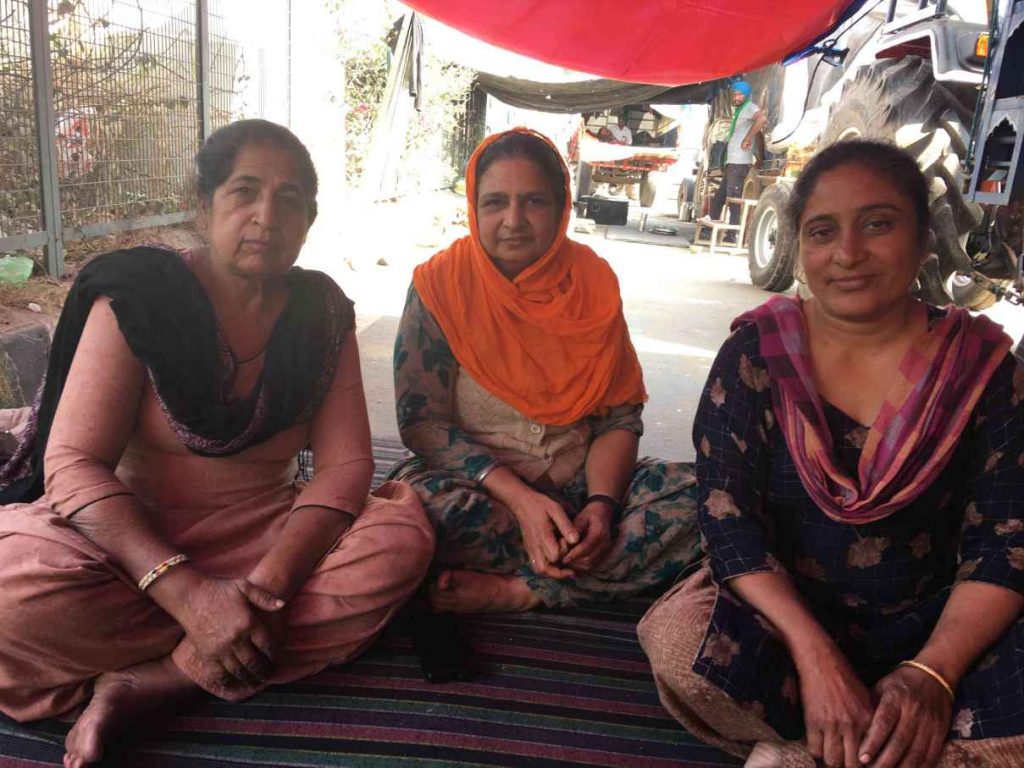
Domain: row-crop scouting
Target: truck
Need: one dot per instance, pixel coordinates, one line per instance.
(942, 79)
(621, 166)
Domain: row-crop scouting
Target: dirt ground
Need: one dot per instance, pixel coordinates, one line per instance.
(47, 294)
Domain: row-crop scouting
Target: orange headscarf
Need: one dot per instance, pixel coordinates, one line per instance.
(553, 342)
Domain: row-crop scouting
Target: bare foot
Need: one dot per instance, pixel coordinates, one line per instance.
(473, 592)
(120, 699)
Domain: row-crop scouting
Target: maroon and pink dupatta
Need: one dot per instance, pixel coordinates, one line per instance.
(915, 433)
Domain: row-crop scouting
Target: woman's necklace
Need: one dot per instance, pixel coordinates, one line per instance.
(255, 357)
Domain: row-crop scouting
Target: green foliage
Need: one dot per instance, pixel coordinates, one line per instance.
(429, 155)
(428, 159)
(366, 77)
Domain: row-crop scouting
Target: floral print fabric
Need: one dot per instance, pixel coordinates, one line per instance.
(654, 540)
(426, 377)
(878, 588)
(656, 531)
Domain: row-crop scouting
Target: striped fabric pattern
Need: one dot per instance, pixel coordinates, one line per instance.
(558, 689)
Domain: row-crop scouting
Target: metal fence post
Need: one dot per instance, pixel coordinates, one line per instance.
(46, 124)
(203, 66)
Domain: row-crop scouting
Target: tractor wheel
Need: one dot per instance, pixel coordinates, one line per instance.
(898, 100)
(771, 256)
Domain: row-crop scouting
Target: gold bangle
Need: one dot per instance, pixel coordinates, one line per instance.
(931, 672)
(160, 570)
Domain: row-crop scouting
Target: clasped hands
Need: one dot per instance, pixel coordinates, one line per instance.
(558, 547)
(902, 723)
(236, 627)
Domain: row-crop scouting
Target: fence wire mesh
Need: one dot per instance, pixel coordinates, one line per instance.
(20, 197)
(126, 104)
(227, 67)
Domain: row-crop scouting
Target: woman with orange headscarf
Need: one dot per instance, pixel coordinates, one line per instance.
(520, 393)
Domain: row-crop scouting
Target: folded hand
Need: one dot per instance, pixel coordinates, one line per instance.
(547, 534)
(594, 524)
(837, 709)
(911, 722)
(229, 622)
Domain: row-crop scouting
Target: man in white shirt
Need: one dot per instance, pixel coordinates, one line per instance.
(620, 134)
(747, 122)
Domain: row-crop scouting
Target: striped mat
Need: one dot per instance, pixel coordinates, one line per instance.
(558, 689)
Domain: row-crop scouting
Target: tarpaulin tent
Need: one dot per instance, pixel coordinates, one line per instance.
(588, 95)
(666, 42)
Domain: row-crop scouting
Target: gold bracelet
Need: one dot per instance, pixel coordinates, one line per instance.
(160, 570)
(935, 675)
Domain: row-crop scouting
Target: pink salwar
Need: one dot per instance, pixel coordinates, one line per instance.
(68, 613)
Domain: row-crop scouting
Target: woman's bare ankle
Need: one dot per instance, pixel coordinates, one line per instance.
(474, 592)
(121, 699)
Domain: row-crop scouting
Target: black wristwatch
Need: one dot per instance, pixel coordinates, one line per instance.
(615, 504)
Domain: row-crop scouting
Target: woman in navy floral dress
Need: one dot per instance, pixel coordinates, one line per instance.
(861, 488)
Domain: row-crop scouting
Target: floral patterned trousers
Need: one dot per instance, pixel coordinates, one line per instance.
(654, 540)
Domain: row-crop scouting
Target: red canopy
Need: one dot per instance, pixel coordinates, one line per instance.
(664, 42)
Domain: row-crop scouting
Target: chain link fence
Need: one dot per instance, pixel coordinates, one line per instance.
(103, 104)
(20, 203)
